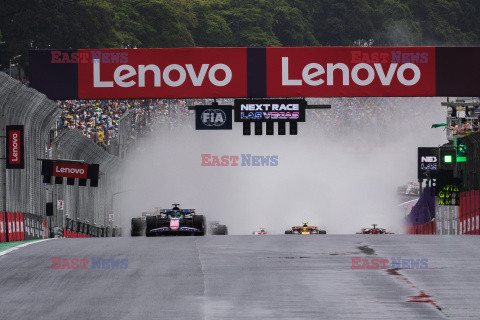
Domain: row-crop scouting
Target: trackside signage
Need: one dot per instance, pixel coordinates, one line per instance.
(213, 117)
(70, 170)
(330, 72)
(168, 73)
(427, 164)
(15, 149)
(271, 110)
(294, 72)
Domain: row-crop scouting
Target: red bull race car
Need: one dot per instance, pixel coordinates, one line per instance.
(175, 222)
(305, 229)
(262, 231)
(374, 230)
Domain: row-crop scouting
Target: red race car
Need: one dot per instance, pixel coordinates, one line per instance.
(262, 231)
(374, 230)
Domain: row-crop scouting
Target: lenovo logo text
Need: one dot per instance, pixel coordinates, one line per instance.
(173, 75)
(361, 74)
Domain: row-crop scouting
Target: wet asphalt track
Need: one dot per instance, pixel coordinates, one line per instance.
(244, 277)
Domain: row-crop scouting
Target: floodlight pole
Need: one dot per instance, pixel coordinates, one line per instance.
(54, 195)
(3, 167)
(112, 202)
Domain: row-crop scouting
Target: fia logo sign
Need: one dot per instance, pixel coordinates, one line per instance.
(213, 117)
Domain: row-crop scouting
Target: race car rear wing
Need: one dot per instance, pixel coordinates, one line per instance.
(182, 210)
(301, 227)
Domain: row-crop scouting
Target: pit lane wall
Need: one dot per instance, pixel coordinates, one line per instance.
(446, 218)
(469, 212)
(26, 194)
(421, 219)
(452, 220)
(426, 228)
(469, 209)
(429, 217)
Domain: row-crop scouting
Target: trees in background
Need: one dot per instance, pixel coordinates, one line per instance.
(44, 24)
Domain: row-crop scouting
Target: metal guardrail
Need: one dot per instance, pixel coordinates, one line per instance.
(86, 203)
(19, 105)
(25, 190)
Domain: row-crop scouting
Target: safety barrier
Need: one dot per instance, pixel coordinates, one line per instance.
(426, 228)
(469, 212)
(86, 203)
(20, 105)
(25, 190)
(78, 229)
(73, 234)
(22, 226)
(448, 218)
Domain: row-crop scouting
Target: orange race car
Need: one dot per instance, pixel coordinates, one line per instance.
(305, 229)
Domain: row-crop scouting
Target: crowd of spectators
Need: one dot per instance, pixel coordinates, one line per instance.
(99, 119)
(374, 116)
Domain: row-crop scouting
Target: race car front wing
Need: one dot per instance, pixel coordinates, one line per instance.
(167, 229)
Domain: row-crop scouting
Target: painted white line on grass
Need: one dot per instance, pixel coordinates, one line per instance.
(21, 246)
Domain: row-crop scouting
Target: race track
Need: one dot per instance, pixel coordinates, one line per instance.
(244, 277)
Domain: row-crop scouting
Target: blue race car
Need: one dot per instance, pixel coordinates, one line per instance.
(175, 222)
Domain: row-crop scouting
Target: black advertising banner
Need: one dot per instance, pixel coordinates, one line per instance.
(70, 170)
(213, 117)
(270, 110)
(15, 149)
(427, 162)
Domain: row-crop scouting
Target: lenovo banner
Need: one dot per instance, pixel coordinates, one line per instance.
(256, 72)
(337, 72)
(146, 73)
(70, 170)
(15, 155)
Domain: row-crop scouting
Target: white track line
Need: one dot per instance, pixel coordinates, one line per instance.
(20, 246)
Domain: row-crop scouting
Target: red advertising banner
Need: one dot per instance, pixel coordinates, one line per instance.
(22, 226)
(11, 227)
(70, 170)
(2, 227)
(347, 71)
(167, 73)
(15, 150)
(46, 234)
(17, 226)
(256, 72)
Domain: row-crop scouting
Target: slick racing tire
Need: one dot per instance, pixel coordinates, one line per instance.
(151, 223)
(222, 230)
(288, 232)
(199, 223)
(322, 232)
(136, 228)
